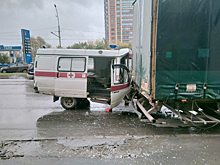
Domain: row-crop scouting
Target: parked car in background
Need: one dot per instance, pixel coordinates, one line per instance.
(13, 68)
(30, 71)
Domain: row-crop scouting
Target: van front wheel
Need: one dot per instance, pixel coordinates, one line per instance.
(68, 102)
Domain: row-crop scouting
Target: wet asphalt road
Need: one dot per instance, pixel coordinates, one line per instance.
(33, 130)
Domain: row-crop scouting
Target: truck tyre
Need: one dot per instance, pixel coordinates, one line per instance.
(68, 102)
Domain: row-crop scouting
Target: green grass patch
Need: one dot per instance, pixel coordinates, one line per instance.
(12, 74)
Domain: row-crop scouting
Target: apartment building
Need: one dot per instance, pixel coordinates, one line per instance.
(118, 20)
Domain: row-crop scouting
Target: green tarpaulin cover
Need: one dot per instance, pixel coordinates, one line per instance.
(188, 49)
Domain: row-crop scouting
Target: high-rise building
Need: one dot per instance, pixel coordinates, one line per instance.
(118, 20)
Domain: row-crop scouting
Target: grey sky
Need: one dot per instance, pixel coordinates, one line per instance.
(80, 20)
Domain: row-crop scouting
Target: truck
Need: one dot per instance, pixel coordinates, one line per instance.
(73, 75)
(176, 57)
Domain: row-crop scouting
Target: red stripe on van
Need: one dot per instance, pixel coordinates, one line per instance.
(119, 87)
(45, 74)
(72, 75)
(63, 75)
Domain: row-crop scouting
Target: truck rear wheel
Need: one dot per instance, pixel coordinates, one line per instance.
(68, 102)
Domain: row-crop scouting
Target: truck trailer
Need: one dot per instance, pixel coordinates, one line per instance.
(176, 56)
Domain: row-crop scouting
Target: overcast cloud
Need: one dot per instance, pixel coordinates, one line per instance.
(80, 20)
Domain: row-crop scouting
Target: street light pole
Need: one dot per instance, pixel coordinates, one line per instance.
(58, 27)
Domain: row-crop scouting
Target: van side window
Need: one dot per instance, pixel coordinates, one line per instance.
(91, 64)
(64, 64)
(121, 75)
(72, 64)
(78, 64)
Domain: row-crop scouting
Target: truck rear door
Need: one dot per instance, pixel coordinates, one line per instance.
(71, 78)
(120, 83)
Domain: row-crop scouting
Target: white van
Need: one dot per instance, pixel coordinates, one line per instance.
(78, 74)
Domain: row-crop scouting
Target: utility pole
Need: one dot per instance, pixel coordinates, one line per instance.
(58, 27)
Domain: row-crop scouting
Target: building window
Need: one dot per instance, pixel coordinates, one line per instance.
(112, 2)
(127, 28)
(112, 11)
(127, 15)
(119, 37)
(118, 20)
(113, 34)
(118, 28)
(127, 1)
(119, 33)
(112, 7)
(112, 16)
(112, 20)
(118, 11)
(112, 29)
(118, 24)
(118, 15)
(113, 38)
(125, 41)
(112, 24)
(126, 37)
(128, 19)
(117, 1)
(126, 33)
(126, 24)
(118, 6)
(126, 6)
(127, 11)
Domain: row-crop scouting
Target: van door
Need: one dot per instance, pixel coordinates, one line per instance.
(44, 74)
(120, 83)
(71, 78)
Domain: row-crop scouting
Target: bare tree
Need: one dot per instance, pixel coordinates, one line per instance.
(37, 43)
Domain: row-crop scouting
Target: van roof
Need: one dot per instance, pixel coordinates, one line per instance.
(84, 52)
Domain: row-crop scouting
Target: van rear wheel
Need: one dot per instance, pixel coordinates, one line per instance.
(83, 103)
(68, 102)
